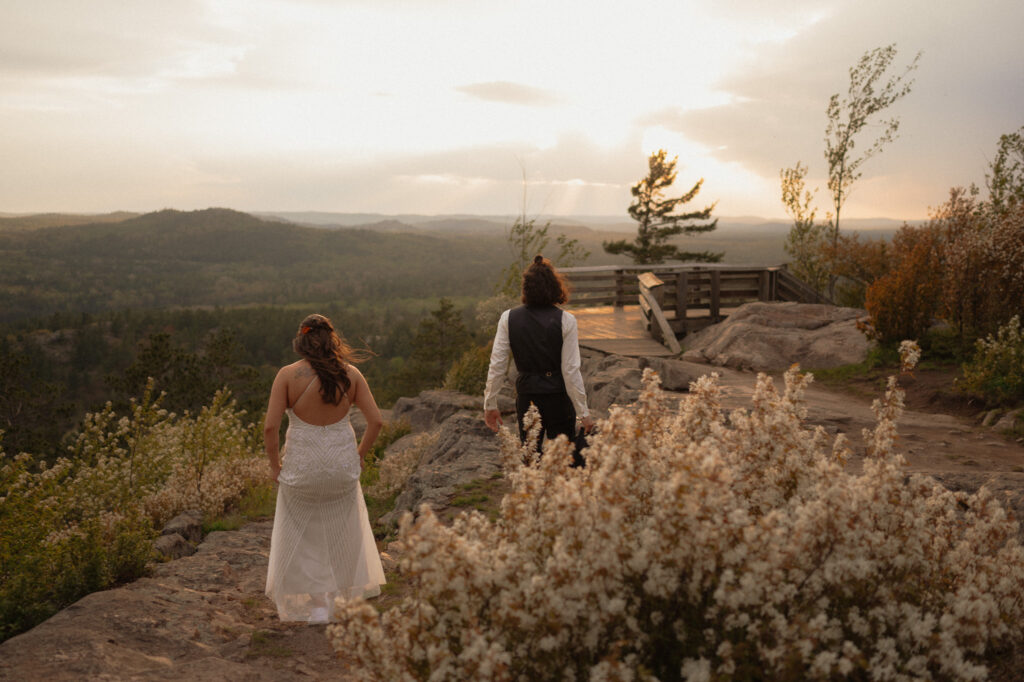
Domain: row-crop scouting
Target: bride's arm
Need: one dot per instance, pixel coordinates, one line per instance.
(272, 422)
(363, 399)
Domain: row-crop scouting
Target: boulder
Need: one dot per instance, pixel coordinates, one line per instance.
(465, 451)
(765, 337)
(188, 524)
(358, 421)
(1010, 420)
(609, 380)
(173, 546)
(991, 417)
(675, 375)
(430, 408)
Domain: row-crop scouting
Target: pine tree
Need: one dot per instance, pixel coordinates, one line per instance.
(658, 220)
(441, 339)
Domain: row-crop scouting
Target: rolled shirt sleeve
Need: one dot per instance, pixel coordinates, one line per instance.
(501, 359)
(570, 364)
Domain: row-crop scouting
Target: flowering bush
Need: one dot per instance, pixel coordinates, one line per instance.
(394, 470)
(88, 521)
(703, 546)
(983, 276)
(996, 371)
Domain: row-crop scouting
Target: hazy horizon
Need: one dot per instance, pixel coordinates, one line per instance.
(357, 218)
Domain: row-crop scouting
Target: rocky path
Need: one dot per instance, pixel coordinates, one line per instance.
(957, 452)
(203, 617)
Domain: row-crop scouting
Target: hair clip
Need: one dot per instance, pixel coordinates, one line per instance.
(305, 330)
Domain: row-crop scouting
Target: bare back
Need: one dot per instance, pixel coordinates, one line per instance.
(306, 402)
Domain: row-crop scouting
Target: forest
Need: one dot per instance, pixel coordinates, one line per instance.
(204, 299)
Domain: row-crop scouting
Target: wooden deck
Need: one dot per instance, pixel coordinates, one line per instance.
(617, 329)
(687, 297)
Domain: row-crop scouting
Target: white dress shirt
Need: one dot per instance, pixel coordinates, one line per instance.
(502, 361)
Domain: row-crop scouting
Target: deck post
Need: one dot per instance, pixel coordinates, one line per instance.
(682, 298)
(716, 290)
(762, 282)
(620, 288)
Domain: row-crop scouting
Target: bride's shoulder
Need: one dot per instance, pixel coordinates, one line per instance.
(298, 368)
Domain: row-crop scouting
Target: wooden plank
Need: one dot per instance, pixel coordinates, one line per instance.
(682, 296)
(716, 284)
(610, 322)
(650, 280)
(666, 330)
(592, 300)
(645, 309)
(649, 283)
(636, 348)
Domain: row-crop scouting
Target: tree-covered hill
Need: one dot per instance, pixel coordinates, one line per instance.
(38, 220)
(224, 257)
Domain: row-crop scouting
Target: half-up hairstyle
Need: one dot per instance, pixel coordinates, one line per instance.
(327, 353)
(543, 285)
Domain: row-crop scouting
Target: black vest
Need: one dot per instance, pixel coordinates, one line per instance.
(535, 336)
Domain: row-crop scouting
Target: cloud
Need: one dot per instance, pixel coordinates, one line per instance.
(968, 90)
(509, 93)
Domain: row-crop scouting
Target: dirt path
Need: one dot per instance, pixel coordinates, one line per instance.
(956, 451)
(932, 442)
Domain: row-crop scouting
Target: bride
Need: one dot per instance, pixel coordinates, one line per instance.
(322, 546)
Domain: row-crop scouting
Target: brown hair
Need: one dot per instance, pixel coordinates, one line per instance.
(327, 353)
(543, 285)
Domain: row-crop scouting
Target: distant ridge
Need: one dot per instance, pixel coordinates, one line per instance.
(455, 223)
(40, 220)
(468, 224)
(222, 257)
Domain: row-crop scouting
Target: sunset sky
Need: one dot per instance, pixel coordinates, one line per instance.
(442, 106)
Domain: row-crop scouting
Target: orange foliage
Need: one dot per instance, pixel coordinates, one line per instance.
(903, 302)
(966, 266)
(857, 264)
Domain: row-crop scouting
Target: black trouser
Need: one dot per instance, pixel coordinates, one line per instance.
(557, 415)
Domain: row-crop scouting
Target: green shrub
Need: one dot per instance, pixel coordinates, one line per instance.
(88, 521)
(996, 372)
(469, 373)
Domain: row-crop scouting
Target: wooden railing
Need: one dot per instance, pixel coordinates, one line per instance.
(692, 296)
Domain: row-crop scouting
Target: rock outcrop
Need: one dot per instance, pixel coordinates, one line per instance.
(203, 617)
(463, 452)
(430, 408)
(764, 337)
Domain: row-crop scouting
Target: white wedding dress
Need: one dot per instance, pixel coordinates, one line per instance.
(322, 546)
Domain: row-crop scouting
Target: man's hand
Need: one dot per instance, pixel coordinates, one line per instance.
(588, 424)
(493, 419)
